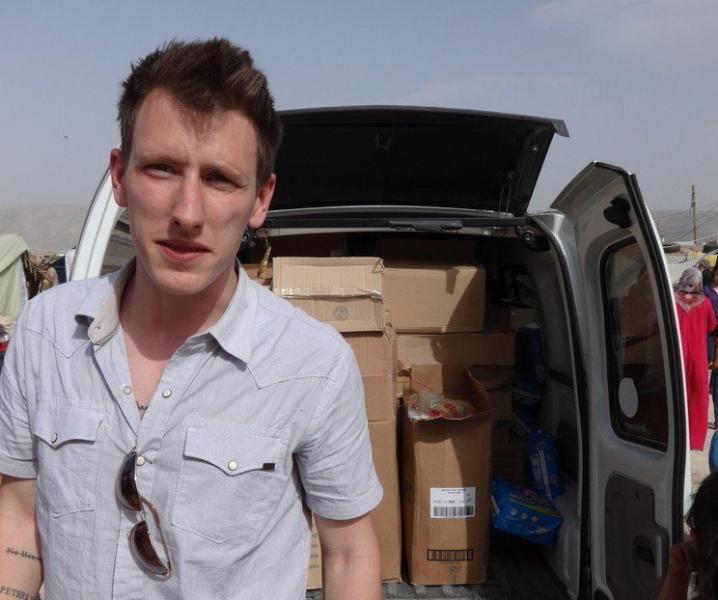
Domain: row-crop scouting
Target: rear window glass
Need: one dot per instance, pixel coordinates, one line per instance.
(635, 353)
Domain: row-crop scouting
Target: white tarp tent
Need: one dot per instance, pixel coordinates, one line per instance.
(13, 292)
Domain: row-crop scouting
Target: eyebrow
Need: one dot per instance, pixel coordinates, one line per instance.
(162, 157)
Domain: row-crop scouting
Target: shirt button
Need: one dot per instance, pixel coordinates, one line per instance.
(166, 393)
(53, 438)
(140, 461)
(127, 390)
(232, 465)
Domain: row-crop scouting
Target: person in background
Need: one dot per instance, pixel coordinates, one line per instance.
(706, 272)
(711, 292)
(696, 320)
(694, 562)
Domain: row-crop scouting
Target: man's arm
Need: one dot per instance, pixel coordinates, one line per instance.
(351, 564)
(20, 562)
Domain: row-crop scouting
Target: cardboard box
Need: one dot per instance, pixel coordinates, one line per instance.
(314, 574)
(324, 244)
(500, 398)
(501, 435)
(434, 298)
(260, 273)
(344, 292)
(386, 517)
(455, 349)
(445, 479)
(374, 355)
(501, 403)
(509, 460)
(494, 377)
(509, 318)
(458, 250)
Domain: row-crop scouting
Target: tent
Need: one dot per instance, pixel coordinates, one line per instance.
(13, 290)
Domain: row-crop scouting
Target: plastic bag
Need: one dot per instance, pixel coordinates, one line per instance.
(427, 405)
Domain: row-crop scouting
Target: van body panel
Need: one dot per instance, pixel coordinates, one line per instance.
(392, 155)
(636, 437)
(99, 224)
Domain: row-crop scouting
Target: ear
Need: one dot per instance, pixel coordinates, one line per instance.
(261, 203)
(117, 173)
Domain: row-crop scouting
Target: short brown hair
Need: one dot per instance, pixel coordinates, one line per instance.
(207, 77)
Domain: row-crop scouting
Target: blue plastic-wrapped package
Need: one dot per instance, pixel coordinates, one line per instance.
(523, 513)
(543, 466)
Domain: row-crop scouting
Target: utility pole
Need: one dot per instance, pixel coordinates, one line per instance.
(693, 210)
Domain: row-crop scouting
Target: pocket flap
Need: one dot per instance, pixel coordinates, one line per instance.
(234, 449)
(59, 424)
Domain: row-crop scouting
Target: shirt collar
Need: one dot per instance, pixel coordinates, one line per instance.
(101, 305)
(232, 331)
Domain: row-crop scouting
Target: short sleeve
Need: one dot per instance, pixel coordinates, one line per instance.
(16, 447)
(335, 458)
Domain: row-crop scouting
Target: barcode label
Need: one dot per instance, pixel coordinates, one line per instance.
(452, 512)
(450, 555)
(452, 503)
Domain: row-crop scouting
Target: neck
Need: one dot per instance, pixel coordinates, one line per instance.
(145, 309)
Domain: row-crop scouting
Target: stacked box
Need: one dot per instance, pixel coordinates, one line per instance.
(344, 292)
(434, 298)
(457, 349)
(509, 457)
(374, 354)
(446, 473)
(497, 381)
(386, 517)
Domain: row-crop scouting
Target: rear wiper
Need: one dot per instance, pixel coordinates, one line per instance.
(431, 225)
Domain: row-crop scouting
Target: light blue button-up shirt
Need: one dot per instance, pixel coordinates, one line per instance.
(253, 420)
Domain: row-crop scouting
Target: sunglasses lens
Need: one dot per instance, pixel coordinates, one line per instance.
(144, 553)
(126, 487)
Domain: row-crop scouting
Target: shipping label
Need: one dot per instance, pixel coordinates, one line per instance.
(452, 503)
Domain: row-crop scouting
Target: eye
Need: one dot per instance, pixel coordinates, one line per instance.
(162, 168)
(218, 178)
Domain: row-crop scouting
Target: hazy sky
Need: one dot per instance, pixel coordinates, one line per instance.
(636, 81)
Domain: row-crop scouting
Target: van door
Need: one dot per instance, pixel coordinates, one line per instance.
(633, 406)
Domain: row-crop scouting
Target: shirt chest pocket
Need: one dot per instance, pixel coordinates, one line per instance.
(67, 456)
(230, 483)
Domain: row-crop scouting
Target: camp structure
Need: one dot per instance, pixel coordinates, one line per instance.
(14, 259)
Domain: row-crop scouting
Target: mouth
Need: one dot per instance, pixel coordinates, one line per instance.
(182, 250)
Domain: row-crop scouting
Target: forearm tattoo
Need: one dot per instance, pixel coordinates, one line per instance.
(22, 554)
(17, 594)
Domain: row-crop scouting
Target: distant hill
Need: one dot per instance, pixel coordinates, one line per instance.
(44, 228)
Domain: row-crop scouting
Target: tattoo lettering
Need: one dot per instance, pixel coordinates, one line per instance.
(22, 554)
(17, 594)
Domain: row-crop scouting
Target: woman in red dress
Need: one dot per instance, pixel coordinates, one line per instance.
(695, 319)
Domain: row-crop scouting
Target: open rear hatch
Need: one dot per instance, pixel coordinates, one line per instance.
(339, 163)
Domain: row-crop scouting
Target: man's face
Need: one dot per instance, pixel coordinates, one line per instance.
(191, 187)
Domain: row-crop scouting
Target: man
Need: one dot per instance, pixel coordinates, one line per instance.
(706, 272)
(163, 429)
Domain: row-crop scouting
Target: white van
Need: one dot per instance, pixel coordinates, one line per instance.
(614, 397)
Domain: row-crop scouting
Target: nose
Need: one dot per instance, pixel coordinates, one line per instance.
(188, 212)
